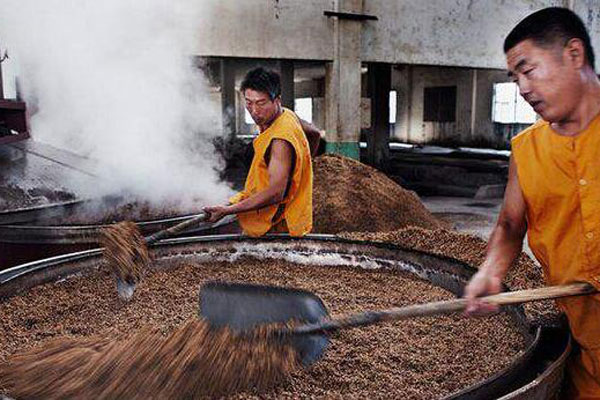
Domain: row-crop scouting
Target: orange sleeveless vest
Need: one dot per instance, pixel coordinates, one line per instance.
(560, 180)
(297, 203)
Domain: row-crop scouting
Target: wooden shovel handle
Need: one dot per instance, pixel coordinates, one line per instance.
(444, 307)
(175, 229)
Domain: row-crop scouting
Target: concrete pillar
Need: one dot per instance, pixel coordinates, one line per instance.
(1, 84)
(378, 141)
(409, 102)
(286, 70)
(227, 77)
(401, 82)
(318, 110)
(343, 84)
(472, 128)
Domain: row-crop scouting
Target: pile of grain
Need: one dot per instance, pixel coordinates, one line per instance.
(415, 359)
(524, 274)
(191, 362)
(13, 197)
(350, 196)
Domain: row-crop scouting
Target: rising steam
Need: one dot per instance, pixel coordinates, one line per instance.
(115, 80)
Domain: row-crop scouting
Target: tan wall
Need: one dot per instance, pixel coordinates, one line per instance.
(442, 32)
(473, 103)
(430, 32)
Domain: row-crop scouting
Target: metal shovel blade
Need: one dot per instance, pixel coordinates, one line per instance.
(243, 306)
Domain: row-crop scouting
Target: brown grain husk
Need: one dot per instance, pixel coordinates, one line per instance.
(524, 273)
(415, 359)
(191, 362)
(125, 251)
(351, 196)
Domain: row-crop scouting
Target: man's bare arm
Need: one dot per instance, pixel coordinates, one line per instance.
(504, 245)
(313, 135)
(280, 166)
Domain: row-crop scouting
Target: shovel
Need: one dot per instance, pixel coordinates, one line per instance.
(241, 307)
(126, 288)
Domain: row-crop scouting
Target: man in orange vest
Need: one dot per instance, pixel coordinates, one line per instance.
(553, 190)
(277, 196)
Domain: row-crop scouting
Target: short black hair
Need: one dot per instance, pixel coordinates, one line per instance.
(263, 80)
(550, 26)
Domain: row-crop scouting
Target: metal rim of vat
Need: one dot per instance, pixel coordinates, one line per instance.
(24, 214)
(548, 384)
(27, 233)
(315, 249)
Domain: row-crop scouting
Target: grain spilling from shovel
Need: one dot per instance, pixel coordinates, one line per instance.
(430, 358)
(192, 362)
(125, 251)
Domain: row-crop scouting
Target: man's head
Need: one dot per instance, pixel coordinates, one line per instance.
(262, 92)
(549, 55)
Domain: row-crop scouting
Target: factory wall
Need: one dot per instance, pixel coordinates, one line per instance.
(473, 125)
(444, 32)
(589, 12)
(411, 84)
(434, 32)
(431, 44)
(267, 29)
(473, 118)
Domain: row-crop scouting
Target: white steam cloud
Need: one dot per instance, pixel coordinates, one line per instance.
(115, 80)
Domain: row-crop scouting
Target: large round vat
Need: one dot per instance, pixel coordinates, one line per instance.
(536, 373)
(35, 233)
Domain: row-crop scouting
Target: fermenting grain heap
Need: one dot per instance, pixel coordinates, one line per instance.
(420, 358)
(350, 196)
(360, 203)
(524, 274)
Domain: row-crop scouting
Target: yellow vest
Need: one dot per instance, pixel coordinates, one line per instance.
(560, 180)
(297, 211)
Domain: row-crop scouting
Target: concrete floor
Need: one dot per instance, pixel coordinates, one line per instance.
(468, 215)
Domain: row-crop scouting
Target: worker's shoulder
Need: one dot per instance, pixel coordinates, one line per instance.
(286, 126)
(528, 133)
(288, 117)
